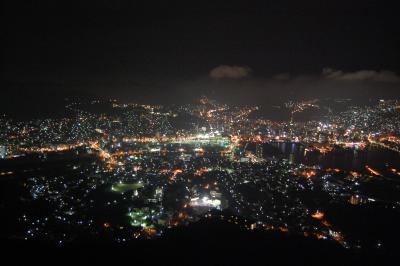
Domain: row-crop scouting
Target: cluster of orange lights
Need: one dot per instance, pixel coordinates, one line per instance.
(284, 229)
(318, 215)
(326, 223)
(162, 139)
(390, 138)
(61, 147)
(135, 152)
(106, 225)
(179, 219)
(373, 171)
(338, 237)
(175, 173)
(335, 170)
(201, 171)
(150, 232)
(104, 155)
(324, 150)
(394, 171)
(182, 215)
(355, 174)
(308, 173)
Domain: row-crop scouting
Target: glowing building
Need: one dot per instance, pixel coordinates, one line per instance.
(3, 152)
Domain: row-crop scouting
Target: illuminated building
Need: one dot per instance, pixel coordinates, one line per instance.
(259, 150)
(205, 202)
(3, 152)
(354, 200)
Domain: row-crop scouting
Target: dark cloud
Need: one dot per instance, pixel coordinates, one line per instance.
(230, 72)
(282, 76)
(361, 75)
(267, 91)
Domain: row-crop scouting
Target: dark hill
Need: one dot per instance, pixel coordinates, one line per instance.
(204, 243)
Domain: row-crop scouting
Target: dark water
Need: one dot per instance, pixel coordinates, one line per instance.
(373, 226)
(343, 158)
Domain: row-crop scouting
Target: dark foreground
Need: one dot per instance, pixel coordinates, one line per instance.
(204, 243)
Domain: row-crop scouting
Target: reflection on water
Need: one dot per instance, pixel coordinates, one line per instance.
(343, 158)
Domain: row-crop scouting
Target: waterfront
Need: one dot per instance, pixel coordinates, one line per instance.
(136, 174)
(350, 159)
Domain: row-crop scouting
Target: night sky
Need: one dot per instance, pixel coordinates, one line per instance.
(237, 51)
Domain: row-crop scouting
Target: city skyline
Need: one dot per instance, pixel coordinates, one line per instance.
(219, 133)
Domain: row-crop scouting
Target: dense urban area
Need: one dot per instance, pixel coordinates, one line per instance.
(122, 171)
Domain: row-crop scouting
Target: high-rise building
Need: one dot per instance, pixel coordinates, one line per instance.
(291, 158)
(3, 152)
(259, 150)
